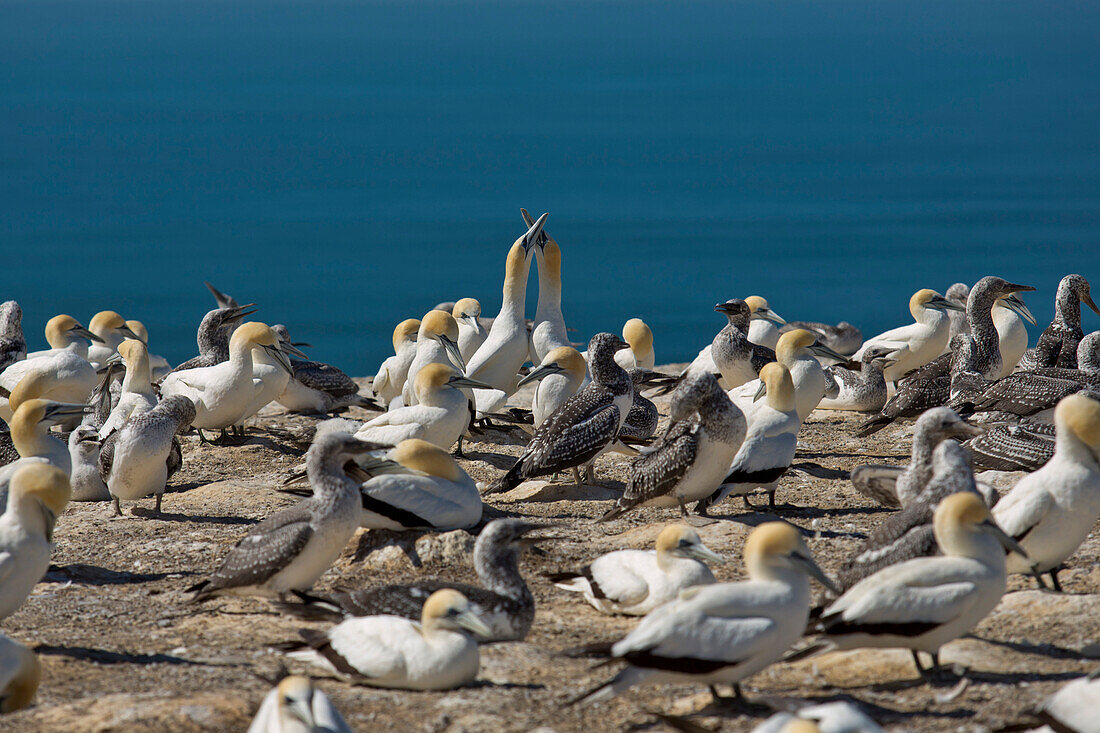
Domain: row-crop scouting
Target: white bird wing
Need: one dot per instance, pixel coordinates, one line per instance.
(1020, 510)
(376, 646)
(908, 597)
(381, 380)
(267, 717)
(616, 577)
(691, 635)
(7, 564)
(326, 717)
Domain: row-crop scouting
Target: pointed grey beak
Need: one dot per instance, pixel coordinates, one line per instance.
(469, 620)
(278, 355)
(115, 358)
(825, 351)
(769, 315)
(1014, 304)
(543, 237)
(453, 351)
(963, 428)
(61, 410)
(242, 312)
(303, 711)
(224, 301)
(85, 333)
(1009, 544)
(1086, 298)
(704, 553)
(539, 372)
(292, 349)
(530, 239)
(760, 391)
(460, 380)
(811, 568)
(470, 321)
(943, 303)
(129, 333)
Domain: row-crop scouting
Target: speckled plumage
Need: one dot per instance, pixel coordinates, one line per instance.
(13, 346)
(1057, 346)
(843, 338)
(1024, 447)
(212, 337)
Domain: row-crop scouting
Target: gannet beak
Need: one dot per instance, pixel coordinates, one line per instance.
(470, 321)
(224, 301)
(811, 568)
(760, 391)
(942, 303)
(85, 333)
(468, 620)
(1086, 298)
(704, 553)
(769, 315)
(539, 372)
(379, 466)
(460, 380)
(721, 308)
(241, 313)
(302, 710)
(303, 344)
(128, 333)
(823, 350)
(65, 409)
(527, 540)
(115, 358)
(292, 349)
(530, 239)
(453, 351)
(1009, 544)
(1013, 288)
(963, 428)
(543, 237)
(278, 355)
(1014, 304)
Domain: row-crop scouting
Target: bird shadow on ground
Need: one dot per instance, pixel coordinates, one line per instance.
(103, 656)
(85, 574)
(818, 471)
(147, 513)
(485, 684)
(269, 442)
(180, 488)
(496, 460)
(864, 456)
(755, 519)
(1045, 650)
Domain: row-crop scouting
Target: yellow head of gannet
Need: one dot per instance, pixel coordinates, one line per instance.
(141, 333)
(296, 700)
(1081, 416)
(62, 330)
(777, 545)
(467, 310)
(794, 341)
(435, 377)
(638, 335)
(759, 309)
(959, 522)
(930, 299)
(776, 383)
(20, 689)
(562, 359)
(449, 609)
(31, 420)
(405, 332)
(420, 456)
(442, 327)
(678, 540)
(258, 335)
(34, 383)
(515, 266)
(104, 322)
(134, 353)
(43, 483)
(800, 726)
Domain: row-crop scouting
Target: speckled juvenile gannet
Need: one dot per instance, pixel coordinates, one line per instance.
(315, 387)
(20, 675)
(291, 549)
(920, 342)
(30, 434)
(13, 346)
(436, 343)
(844, 338)
(765, 323)
(296, 705)
(87, 484)
(862, 391)
(505, 603)
(39, 493)
(560, 376)
(158, 365)
(1057, 347)
(137, 386)
(895, 486)
(213, 336)
(111, 329)
(388, 651)
(634, 582)
(798, 351)
(471, 334)
(924, 603)
(731, 354)
(440, 415)
(504, 351)
(770, 441)
(1023, 447)
(693, 456)
(391, 375)
(72, 377)
(725, 632)
(140, 457)
(985, 294)
(586, 425)
(549, 330)
(641, 421)
(1051, 512)
(222, 393)
(639, 339)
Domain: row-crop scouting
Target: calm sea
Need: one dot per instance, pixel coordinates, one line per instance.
(349, 164)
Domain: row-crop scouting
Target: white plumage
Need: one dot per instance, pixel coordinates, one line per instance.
(920, 342)
(391, 375)
(296, 705)
(20, 674)
(39, 493)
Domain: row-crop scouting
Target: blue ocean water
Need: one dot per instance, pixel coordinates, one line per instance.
(349, 164)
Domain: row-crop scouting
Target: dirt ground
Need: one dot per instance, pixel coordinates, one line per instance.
(122, 651)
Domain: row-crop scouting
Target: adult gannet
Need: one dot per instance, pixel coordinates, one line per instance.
(112, 330)
(436, 343)
(1072, 709)
(388, 651)
(137, 386)
(770, 441)
(724, 632)
(549, 331)
(291, 549)
(223, 393)
(140, 457)
(30, 434)
(72, 378)
(862, 391)
(639, 339)
(1051, 512)
(693, 456)
(39, 493)
(296, 705)
(897, 486)
(582, 428)
(86, 483)
(634, 582)
(1008, 319)
(471, 334)
(391, 375)
(504, 351)
(1023, 447)
(271, 373)
(213, 336)
(560, 376)
(440, 415)
(158, 364)
(920, 342)
(13, 346)
(798, 351)
(20, 674)
(731, 354)
(1057, 347)
(831, 717)
(764, 324)
(924, 603)
(504, 602)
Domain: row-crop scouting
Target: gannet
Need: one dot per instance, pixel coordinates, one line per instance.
(770, 441)
(223, 393)
(582, 428)
(1072, 709)
(560, 376)
(731, 354)
(471, 334)
(844, 338)
(388, 651)
(862, 391)
(725, 632)
(504, 351)
(924, 603)
(315, 387)
(296, 705)
(13, 346)
(693, 456)
(416, 485)
(158, 364)
(958, 294)
(20, 675)
(72, 377)
(634, 582)
(271, 373)
(641, 421)
(1051, 512)
(798, 351)
(30, 434)
(986, 293)
(436, 343)
(504, 602)
(391, 375)
(765, 323)
(140, 457)
(213, 336)
(1023, 447)
(39, 493)
(440, 415)
(137, 386)
(291, 549)
(112, 330)
(1057, 347)
(918, 343)
(830, 717)
(639, 339)
(549, 331)
(1011, 332)
(87, 484)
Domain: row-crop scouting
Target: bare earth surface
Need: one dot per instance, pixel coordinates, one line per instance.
(122, 651)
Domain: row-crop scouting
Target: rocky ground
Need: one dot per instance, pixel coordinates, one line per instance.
(123, 651)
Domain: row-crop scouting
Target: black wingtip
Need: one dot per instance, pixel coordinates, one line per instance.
(872, 426)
